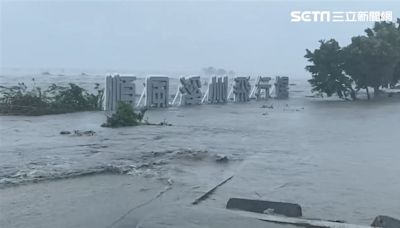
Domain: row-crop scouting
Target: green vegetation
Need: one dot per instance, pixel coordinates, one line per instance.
(327, 71)
(19, 100)
(369, 61)
(125, 116)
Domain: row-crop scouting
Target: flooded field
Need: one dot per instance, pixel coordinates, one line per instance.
(339, 160)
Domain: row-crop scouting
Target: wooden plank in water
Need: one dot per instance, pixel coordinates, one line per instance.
(209, 192)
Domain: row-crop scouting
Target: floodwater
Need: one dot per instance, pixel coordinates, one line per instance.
(339, 160)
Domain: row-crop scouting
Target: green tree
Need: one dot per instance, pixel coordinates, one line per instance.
(371, 60)
(396, 76)
(327, 71)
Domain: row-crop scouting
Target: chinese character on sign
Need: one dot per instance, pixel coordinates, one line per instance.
(282, 87)
(157, 91)
(119, 88)
(190, 90)
(218, 90)
(262, 87)
(242, 89)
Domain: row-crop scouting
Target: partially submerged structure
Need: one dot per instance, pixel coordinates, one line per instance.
(217, 92)
(262, 88)
(119, 88)
(241, 89)
(282, 87)
(189, 91)
(155, 93)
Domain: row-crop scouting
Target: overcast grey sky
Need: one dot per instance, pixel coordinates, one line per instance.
(247, 37)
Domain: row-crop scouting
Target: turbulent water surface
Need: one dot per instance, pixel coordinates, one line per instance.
(337, 159)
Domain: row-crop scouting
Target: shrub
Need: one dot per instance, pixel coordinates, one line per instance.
(18, 100)
(124, 116)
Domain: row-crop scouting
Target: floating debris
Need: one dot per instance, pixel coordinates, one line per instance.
(211, 191)
(221, 158)
(78, 133)
(165, 124)
(268, 106)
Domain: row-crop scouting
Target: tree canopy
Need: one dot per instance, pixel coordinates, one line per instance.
(371, 60)
(327, 70)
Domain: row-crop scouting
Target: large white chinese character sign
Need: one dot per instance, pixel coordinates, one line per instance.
(217, 90)
(241, 89)
(190, 91)
(157, 91)
(119, 88)
(282, 87)
(262, 88)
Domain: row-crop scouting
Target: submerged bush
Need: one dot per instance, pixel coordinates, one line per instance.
(18, 100)
(74, 97)
(125, 116)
